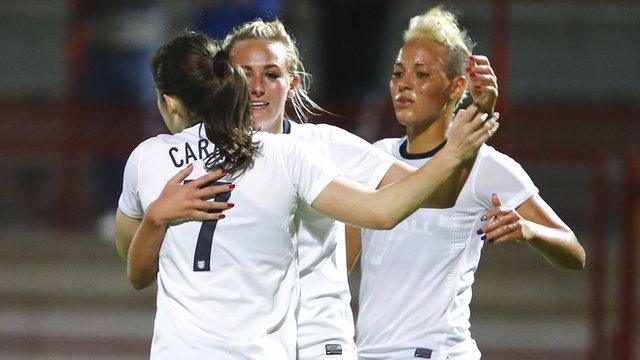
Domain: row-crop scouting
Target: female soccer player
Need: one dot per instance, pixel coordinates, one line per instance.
(416, 278)
(228, 289)
(276, 75)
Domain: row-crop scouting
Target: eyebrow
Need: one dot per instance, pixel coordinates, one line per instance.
(415, 64)
(265, 67)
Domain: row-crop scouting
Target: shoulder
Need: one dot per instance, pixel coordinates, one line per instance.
(388, 144)
(489, 156)
(314, 130)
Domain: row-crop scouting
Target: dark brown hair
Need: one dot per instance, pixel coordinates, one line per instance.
(195, 69)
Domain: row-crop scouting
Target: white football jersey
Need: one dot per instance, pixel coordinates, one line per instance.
(416, 278)
(228, 289)
(325, 321)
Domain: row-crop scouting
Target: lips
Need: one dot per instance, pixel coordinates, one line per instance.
(259, 104)
(403, 101)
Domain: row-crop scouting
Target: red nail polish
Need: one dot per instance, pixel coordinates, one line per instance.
(221, 216)
(230, 205)
(469, 69)
(231, 186)
(472, 74)
(477, 86)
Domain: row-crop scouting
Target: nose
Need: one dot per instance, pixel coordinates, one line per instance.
(404, 82)
(255, 86)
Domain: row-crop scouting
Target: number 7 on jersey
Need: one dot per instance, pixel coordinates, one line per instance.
(202, 257)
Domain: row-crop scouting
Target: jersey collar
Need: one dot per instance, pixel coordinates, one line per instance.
(405, 154)
(286, 126)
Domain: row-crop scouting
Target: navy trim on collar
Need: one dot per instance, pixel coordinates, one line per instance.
(428, 154)
(286, 126)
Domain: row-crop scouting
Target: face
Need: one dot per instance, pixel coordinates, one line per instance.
(420, 89)
(264, 63)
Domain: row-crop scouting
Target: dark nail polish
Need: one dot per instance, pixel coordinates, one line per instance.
(231, 186)
(479, 232)
(472, 74)
(230, 205)
(483, 238)
(221, 216)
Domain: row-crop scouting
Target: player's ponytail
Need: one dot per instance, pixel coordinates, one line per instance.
(227, 118)
(193, 68)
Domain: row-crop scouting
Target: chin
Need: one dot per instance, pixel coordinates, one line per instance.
(406, 119)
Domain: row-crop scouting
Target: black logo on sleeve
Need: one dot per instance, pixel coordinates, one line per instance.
(333, 349)
(423, 353)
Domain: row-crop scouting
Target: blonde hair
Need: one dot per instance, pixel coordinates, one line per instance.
(442, 27)
(274, 31)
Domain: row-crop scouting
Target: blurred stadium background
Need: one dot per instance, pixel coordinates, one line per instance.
(76, 97)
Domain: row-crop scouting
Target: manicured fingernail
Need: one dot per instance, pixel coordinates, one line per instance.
(222, 216)
(477, 86)
(479, 232)
(483, 237)
(231, 186)
(472, 75)
(483, 218)
(469, 69)
(230, 205)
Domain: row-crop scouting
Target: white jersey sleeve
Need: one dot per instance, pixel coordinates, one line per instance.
(129, 202)
(309, 171)
(359, 160)
(498, 173)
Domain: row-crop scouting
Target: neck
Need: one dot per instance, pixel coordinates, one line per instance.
(424, 137)
(274, 127)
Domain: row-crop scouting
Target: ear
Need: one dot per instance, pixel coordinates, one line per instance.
(293, 85)
(458, 88)
(173, 104)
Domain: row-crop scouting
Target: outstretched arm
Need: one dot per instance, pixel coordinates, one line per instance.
(349, 202)
(535, 223)
(177, 203)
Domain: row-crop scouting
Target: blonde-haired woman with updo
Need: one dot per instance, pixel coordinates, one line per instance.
(416, 278)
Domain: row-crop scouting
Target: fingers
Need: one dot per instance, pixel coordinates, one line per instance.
(501, 221)
(486, 130)
(210, 191)
(202, 210)
(506, 225)
(207, 178)
(211, 206)
(181, 175)
(495, 200)
(478, 59)
(495, 212)
(465, 116)
(198, 215)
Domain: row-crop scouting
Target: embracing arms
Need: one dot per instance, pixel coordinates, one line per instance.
(139, 241)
